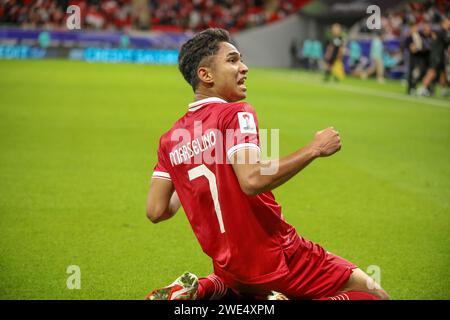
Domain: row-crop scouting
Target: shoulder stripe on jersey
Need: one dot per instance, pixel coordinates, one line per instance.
(162, 178)
(161, 174)
(200, 103)
(240, 146)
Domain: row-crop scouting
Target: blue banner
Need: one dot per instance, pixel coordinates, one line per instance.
(167, 57)
(131, 56)
(21, 52)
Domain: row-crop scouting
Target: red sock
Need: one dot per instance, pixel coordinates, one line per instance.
(211, 288)
(352, 295)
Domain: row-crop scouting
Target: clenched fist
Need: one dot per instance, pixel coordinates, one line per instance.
(326, 142)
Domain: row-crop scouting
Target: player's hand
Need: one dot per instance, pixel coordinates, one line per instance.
(326, 142)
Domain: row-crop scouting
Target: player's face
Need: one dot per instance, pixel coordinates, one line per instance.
(229, 73)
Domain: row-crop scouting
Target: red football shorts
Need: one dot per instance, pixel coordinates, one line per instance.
(313, 273)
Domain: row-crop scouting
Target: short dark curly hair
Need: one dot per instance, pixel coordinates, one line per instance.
(193, 51)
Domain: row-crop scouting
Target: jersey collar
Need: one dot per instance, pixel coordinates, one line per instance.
(201, 103)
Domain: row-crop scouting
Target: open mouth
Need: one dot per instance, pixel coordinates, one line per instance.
(242, 82)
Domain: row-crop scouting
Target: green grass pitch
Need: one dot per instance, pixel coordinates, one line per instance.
(78, 145)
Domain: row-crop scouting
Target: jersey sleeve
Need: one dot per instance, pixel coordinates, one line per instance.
(240, 125)
(160, 171)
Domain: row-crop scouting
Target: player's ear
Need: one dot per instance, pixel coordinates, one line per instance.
(205, 75)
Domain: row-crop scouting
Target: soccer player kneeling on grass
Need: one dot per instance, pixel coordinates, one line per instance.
(209, 163)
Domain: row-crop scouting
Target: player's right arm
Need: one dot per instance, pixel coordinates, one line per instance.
(162, 200)
(250, 174)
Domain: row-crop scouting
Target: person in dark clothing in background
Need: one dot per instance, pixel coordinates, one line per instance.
(334, 49)
(437, 66)
(418, 46)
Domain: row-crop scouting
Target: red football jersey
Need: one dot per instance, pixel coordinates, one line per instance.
(246, 236)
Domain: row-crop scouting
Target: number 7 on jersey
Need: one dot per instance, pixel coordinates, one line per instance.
(200, 171)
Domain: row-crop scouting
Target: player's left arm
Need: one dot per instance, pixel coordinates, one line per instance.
(162, 200)
(249, 169)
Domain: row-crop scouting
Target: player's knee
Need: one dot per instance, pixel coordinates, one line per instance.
(385, 296)
(381, 294)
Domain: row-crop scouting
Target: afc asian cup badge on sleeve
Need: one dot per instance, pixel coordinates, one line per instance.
(246, 122)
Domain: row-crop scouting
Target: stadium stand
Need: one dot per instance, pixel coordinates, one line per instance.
(169, 15)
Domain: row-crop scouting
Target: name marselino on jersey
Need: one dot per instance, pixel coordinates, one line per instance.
(201, 148)
(183, 153)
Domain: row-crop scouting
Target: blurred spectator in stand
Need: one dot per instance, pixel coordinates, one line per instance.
(169, 15)
(94, 18)
(141, 14)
